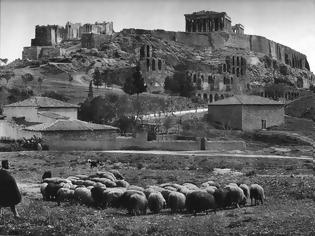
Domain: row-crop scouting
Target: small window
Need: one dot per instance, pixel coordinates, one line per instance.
(263, 124)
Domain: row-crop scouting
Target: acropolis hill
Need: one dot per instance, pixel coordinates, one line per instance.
(219, 58)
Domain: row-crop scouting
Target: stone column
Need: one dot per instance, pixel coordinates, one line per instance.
(187, 30)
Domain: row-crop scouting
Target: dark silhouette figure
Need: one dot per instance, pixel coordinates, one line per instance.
(47, 174)
(9, 192)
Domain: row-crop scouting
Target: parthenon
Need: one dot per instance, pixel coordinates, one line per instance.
(209, 21)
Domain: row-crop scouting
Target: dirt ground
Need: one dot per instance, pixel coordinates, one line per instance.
(288, 210)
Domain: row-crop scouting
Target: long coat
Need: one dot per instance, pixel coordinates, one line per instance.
(9, 192)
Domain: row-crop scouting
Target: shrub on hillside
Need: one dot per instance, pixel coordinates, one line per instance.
(55, 95)
(17, 95)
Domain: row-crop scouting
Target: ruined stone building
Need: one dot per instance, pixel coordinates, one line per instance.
(222, 80)
(48, 37)
(152, 68)
(210, 21)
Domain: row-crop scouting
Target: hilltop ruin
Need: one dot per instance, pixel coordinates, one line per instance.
(221, 59)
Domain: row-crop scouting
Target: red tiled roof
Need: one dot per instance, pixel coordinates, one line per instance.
(42, 102)
(246, 100)
(69, 125)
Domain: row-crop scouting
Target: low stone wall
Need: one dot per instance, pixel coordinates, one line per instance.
(177, 145)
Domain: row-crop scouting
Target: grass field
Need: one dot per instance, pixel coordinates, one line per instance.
(288, 183)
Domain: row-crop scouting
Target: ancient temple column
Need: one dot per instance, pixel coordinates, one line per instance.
(187, 30)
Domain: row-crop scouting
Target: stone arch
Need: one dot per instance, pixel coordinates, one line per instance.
(299, 83)
(216, 97)
(148, 50)
(148, 64)
(142, 52)
(159, 64)
(226, 80)
(231, 80)
(153, 64)
(221, 97)
(224, 67)
(233, 70)
(210, 98)
(237, 72)
(202, 78)
(205, 96)
(194, 78)
(233, 61)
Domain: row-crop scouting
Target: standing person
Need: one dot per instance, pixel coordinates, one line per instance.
(9, 192)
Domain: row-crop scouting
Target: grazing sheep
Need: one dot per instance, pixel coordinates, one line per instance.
(122, 183)
(220, 196)
(9, 192)
(47, 174)
(191, 186)
(176, 201)
(184, 190)
(165, 193)
(84, 196)
(210, 189)
(125, 197)
(51, 191)
(105, 174)
(156, 202)
(137, 204)
(246, 191)
(134, 187)
(209, 183)
(171, 188)
(117, 174)
(109, 183)
(152, 189)
(257, 194)
(235, 196)
(82, 177)
(98, 196)
(112, 197)
(64, 194)
(198, 201)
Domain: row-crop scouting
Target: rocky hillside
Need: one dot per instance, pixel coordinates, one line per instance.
(71, 75)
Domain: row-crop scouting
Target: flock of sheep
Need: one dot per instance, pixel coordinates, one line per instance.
(109, 189)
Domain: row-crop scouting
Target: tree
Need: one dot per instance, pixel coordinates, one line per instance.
(97, 78)
(90, 94)
(180, 83)
(104, 109)
(135, 85)
(125, 124)
(167, 123)
(27, 78)
(55, 95)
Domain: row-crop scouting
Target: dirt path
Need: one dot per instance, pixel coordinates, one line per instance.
(208, 154)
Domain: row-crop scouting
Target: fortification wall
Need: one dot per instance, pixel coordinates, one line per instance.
(91, 40)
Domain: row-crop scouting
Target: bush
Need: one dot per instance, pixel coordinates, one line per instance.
(55, 95)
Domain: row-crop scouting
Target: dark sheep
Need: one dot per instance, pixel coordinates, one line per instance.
(98, 196)
(9, 192)
(257, 194)
(47, 174)
(220, 196)
(51, 191)
(94, 163)
(199, 201)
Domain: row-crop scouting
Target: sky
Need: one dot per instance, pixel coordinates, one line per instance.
(289, 22)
